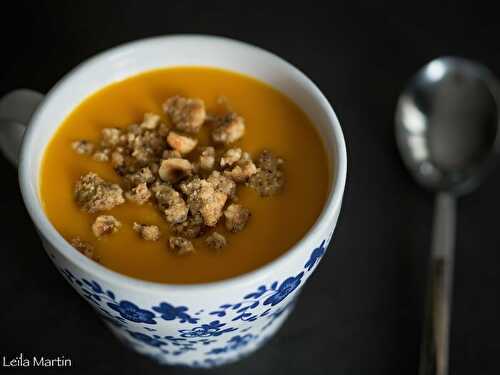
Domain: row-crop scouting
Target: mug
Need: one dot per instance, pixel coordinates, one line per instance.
(196, 325)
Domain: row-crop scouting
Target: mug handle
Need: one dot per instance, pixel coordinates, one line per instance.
(16, 109)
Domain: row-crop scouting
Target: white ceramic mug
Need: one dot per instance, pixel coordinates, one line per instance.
(199, 325)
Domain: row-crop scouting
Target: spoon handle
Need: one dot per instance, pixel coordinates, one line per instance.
(435, 341)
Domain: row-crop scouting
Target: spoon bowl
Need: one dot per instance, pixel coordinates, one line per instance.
(447, 123)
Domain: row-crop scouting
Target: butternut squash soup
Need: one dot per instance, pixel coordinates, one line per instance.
(184, 175)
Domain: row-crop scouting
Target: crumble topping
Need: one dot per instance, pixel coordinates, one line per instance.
(139, 194)
(269, 178)
(192, 227)
(83, 147)
(150, 121)
(147, 232)
(216, 240)
(171, 202)
(101, 155)
(110, 137)
(230, 157)
(236, 217)
(207, 158)
(195, 187)
(180, 245)
(117, 158)
(181, 143)
(242, 171)
(222, 184)
(203, 198)
(93, 194)
(175, 169)
(185, 113)
(228, 129)
(143, 175)
(105, 224)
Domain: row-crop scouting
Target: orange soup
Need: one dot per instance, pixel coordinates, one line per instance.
(272, 121)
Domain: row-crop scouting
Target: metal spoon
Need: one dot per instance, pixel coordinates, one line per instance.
(447, 122)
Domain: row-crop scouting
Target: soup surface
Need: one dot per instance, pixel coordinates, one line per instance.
(273, 122)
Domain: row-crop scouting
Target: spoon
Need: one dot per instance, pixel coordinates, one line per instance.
(447, 123)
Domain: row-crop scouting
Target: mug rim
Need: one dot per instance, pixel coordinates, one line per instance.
(49, 232)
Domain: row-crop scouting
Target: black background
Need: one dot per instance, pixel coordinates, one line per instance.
(361, 312)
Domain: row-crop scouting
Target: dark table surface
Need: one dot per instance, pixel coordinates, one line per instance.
(361, 312)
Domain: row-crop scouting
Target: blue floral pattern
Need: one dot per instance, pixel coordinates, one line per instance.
(200, 332)
(169, 312)
(273, 295)
(315, 256)
(206, 330)
(149, 340)
(133, 313)
(286, 287)
(235, 343)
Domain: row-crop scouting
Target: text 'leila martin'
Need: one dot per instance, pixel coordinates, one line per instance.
(22, 361)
